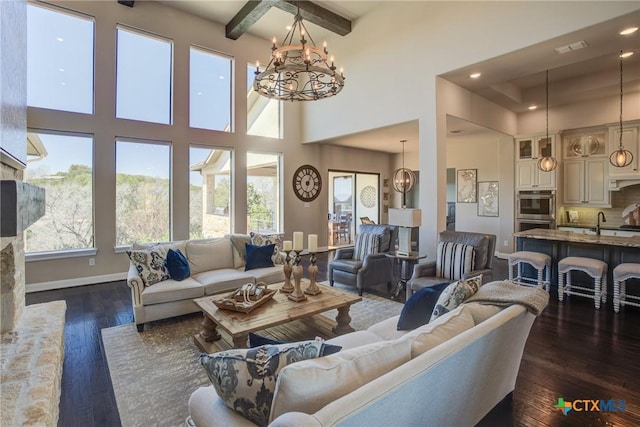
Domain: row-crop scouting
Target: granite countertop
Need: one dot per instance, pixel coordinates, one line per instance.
(568, 236)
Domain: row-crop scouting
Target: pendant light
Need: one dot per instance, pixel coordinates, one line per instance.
(547, 163)
(621, 157)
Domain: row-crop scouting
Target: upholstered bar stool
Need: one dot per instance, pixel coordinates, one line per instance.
(621, 273)
(537, 260)
(593, 267)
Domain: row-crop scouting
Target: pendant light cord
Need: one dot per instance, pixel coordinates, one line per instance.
(547, 106)
(621, 99)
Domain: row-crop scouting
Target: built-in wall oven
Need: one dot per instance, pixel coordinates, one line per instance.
(535, 209)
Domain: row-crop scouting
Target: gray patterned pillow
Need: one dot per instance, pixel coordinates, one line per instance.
(268, 239)
(455, 294)
(151, 264)
(245, 379)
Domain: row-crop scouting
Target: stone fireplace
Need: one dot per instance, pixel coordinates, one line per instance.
(32, 337)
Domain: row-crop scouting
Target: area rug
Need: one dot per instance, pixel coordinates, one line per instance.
(153, 373)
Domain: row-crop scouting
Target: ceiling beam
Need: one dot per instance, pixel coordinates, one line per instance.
(247, 16)
(318, 15)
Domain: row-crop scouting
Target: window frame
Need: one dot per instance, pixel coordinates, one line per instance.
(280, 113)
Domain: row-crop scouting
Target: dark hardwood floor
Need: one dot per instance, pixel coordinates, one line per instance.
(573, 352)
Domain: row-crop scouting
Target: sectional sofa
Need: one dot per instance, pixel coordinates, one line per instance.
(450, 372)
(216, 265)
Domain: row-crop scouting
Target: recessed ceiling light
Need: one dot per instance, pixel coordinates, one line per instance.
(60, 39)
(456, 131)
(533, 107)
(626, 54)
(475, 75)
(627, 31)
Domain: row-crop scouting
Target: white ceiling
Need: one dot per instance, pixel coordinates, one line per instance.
(515, 80)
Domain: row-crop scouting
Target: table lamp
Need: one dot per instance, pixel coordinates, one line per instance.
(405, 219)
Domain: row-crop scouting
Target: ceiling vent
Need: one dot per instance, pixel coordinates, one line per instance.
(571, 47)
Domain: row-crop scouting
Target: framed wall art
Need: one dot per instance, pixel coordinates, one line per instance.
(488, 198)
(467, 182)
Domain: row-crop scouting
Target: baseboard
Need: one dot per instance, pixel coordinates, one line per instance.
(70, 283)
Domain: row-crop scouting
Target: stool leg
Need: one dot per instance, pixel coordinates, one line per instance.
(510, 272)
(603, 288)
(560, 285)
(597, 293)
(616, 296)
(623, 292)
(519, 278)
(548, 281)
(540, 282)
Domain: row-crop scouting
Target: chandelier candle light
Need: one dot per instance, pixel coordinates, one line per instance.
(298, 72)
(621, 157)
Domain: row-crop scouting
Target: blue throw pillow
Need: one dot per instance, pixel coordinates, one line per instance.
(417, 310)
(256, 340)
(259, 256)
(177, 265)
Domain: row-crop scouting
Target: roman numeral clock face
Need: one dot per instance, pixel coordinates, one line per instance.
(307, 183)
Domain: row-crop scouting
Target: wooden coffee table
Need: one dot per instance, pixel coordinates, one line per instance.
(275, 312)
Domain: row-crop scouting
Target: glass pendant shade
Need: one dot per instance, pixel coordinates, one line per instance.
(547, 164)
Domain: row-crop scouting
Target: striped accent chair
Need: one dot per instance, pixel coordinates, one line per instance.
(460, 255)
(366, 265)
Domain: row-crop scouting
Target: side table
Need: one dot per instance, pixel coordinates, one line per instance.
(408, 261)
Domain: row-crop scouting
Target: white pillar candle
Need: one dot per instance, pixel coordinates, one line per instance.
(313, 243)
(287, 245)
(297, 240)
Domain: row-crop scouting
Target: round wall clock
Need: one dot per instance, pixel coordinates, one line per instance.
(307, 183)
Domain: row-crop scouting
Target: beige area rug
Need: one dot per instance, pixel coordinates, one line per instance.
(154, 372)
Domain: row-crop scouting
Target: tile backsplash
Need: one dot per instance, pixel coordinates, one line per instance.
(588, 216)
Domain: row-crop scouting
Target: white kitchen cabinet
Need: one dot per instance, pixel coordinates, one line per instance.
(584, 182)
(630, 142)
(585, 143)
(528, 151)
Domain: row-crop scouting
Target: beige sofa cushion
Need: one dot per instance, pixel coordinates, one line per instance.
(205, 255)
(354, 339)
(268, 275)
(172, 290)
(435, 333)
(225, 279)
(309, 385)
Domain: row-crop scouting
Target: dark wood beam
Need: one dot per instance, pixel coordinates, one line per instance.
(247, 16)
(318, 15)
(127, 2)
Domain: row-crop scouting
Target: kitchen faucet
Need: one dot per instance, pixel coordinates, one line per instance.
(598, 222)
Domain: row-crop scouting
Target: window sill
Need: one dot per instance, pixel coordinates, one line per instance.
(46, 256)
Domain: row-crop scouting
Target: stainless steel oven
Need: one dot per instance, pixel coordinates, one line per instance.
(537, 205)
(529, 224)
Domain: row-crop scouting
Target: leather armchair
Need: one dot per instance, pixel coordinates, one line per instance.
(375, 269)
(424, 274)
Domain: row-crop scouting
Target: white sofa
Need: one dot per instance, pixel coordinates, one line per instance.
(456, 381)
(217, 265)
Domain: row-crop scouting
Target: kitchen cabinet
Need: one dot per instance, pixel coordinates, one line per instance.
(528, 151)
(630, 142)
(584, 182)
(591, 142)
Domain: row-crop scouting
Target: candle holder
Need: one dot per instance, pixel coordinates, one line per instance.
(297, 294)
(287, 288)
(313, 288)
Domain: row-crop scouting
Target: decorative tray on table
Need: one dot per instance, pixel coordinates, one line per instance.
(247, 298)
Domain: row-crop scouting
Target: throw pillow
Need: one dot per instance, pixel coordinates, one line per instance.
(366, 243)
(259, 256)
(267, 239)
(256, 340)
(150, 264)
(454, 260)
(177, 265)
(418, 309)
(455, 294)
(245, 379)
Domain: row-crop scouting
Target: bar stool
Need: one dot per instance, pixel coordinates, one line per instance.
(593, 267)
(537, 260)
(621, 273)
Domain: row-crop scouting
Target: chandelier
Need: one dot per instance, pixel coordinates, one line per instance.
(547, 163)
(621, 157)
(298, 72)
(403, 179)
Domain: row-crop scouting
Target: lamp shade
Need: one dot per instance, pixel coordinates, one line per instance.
(405, 217)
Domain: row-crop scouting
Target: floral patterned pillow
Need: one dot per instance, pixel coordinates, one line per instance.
(268, 239)
(455, 294)
(151, 264)
(245, 379)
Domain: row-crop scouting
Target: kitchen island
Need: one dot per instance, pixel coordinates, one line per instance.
(557, 244)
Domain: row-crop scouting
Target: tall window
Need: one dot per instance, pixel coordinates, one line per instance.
(62, 164)
(263, 192)
(209, 90)
(143, 189)
(209, 192)
(263, 114)
(60, 58)
(143, 75)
